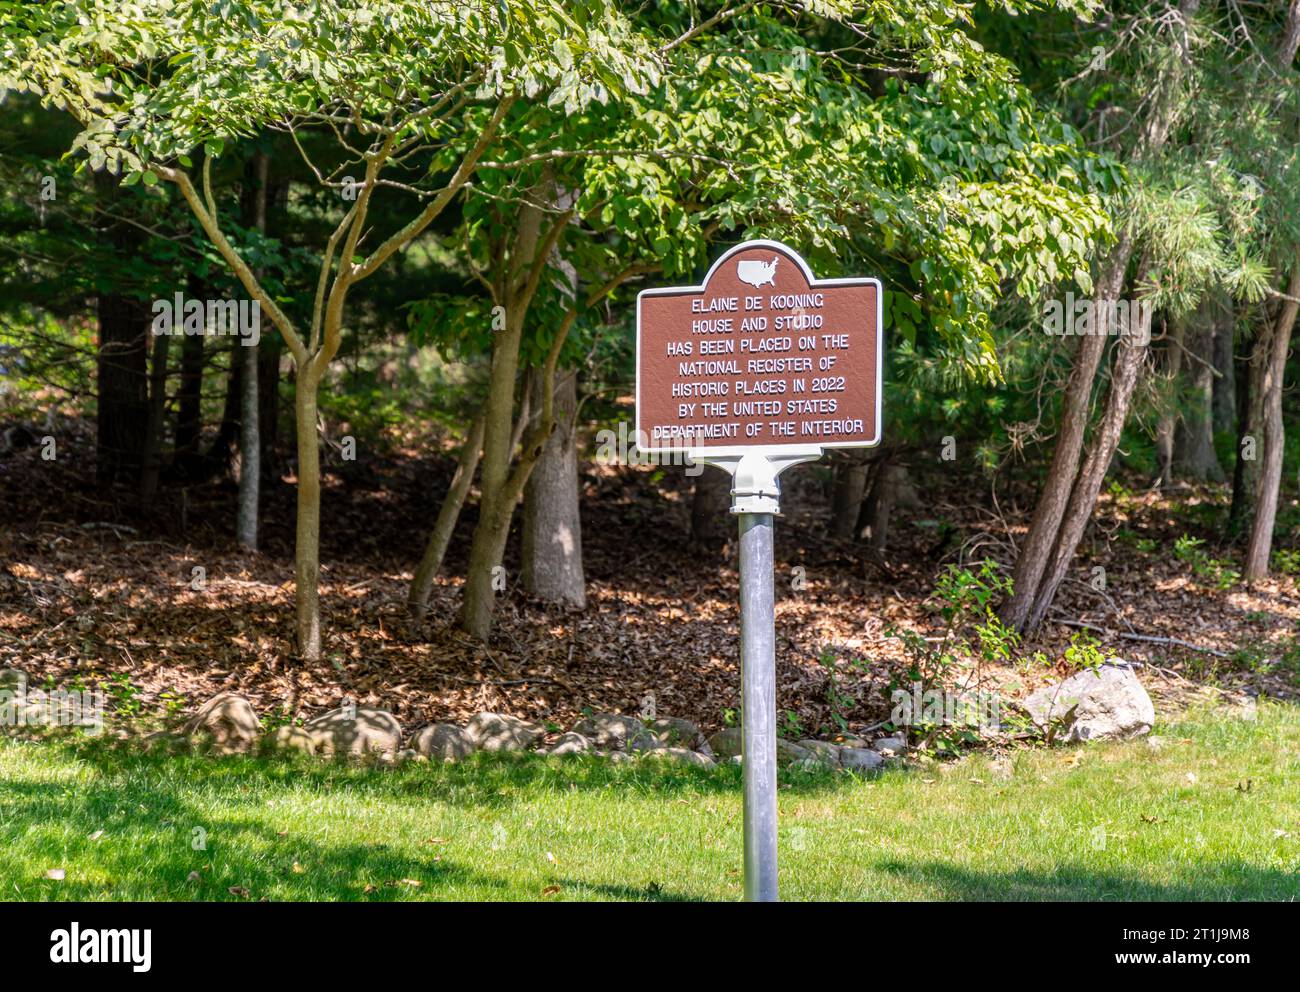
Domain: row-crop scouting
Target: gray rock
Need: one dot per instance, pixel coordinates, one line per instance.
(292, 739)
(682, 754)
(571, 743)
(356, 731)
(859, 758)
(674, 732)
(726, 743)
(229, 720)
(890, 746)
(825, 752)
(644, 741)
(502, 732)
(1108, 704)
(609, 730)
(409, 754)
(442, 742)
(788, 752)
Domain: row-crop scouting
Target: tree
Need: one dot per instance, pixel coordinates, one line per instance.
(399, 84)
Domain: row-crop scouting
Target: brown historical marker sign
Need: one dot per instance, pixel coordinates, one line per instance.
(762, 355)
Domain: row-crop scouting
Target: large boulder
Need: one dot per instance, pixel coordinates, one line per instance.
(229, 721)
(672, 731)
(727, 744)
(356, 731)
(788, 753)
(860, 758)
(1106, 704)
(825, 752)
(571, 743)
(610, 730)
(502, 732)
(442, 742)
(289, 738)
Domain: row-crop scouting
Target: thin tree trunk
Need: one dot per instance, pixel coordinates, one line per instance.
(250, 444)
(122, 385)
(189, 404)
(1129, 356)
(307, 539)
(494, 516)
(1043, 528)
(709, 506)
(435, 550)
(1062, 499)
(846, 501)
(552, 535)
(1169, 418)
(884, 496)
(1225, 383)
(1260, 546)
(496, 506)
(1193, 453)
(157, 416)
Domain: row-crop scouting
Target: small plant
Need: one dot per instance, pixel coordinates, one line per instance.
(125, 696)
(838, 700)
(1206, 567)
(972, 636)
(1084, 652)
(792, 726)
(1287, 561)
(173, 705)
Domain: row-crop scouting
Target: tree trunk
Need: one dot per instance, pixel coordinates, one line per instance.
(552, 537)
(307, 538)
(1260, 546)
(1060, 497)
(1225, 383)
(846, 502)
(710, 506)
(497, 504)
(880, 504)
(1165, 427)
(1193, 451)
(1043, 528)
(250, 444)
(122, 385)
(1250, 428)
(494, 517)
(153, 445)
(189, 406)
(435, 550)
(1129, 355)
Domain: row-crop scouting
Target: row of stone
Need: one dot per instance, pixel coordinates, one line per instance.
(231, 724)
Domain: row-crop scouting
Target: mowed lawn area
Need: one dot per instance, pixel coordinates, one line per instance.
(1213, 812)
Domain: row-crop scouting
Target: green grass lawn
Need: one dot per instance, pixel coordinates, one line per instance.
(1212, 814)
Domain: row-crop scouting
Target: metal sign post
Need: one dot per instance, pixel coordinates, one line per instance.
(753, 382)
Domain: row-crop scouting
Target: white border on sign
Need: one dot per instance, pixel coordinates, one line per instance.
(712, 451)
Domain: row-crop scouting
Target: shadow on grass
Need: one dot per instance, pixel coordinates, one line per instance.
(1220, 882)
(484, 780)
(139, 825)
(122, 840)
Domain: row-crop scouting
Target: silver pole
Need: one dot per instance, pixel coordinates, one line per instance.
(758, 704)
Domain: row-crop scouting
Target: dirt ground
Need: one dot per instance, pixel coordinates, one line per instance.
(91, 586)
